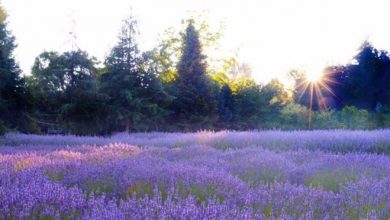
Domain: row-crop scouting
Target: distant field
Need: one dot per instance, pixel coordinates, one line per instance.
(206, 175)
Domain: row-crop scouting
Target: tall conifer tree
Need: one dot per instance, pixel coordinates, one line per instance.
(12, 87)
(135, 92)
(195, 104)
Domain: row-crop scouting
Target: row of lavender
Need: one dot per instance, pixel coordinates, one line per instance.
(121, 181)
(340, 141)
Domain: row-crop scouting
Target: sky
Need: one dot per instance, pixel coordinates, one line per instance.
(272, 36)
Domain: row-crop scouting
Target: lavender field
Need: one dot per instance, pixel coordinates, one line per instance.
(204, 175)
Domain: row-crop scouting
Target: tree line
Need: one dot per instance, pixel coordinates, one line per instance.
(172, 88)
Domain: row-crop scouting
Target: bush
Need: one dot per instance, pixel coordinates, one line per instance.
(354, 118)
(327, 120)
(294, 116)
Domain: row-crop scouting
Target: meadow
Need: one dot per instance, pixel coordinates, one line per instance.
(205, 175)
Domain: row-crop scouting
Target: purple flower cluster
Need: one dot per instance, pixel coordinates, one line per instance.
(194, 179)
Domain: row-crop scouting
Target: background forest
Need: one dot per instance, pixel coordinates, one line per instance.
(175, 88)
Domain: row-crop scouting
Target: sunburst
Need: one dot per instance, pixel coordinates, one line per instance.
(316, 84)
(313, 77)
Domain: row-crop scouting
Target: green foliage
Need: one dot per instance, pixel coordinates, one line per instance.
(166, 55)
(368, 81)
(363, 83)
(195, 104)
(354, 118)
(226, 106)
(136, 96)
(13, 96)
(65, 89)
(327, 120)
(176, 87)
(248, 105)
(294, 116)
(221, 79)
(277, 93)
(276, 97)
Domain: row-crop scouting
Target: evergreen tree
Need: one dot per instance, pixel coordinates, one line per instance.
(133, 89)
(167, 52)
(12, 86)
(195, 104)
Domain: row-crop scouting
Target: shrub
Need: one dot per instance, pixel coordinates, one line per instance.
(354, 118)
(294, 116)
(327, 120)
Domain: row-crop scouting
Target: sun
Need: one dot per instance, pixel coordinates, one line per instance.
(314, 77)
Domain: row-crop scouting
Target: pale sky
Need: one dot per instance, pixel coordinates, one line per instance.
(273, 36)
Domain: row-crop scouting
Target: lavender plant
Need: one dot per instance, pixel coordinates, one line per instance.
(192, 176)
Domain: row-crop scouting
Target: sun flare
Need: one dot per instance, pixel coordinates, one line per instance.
(314, 77)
